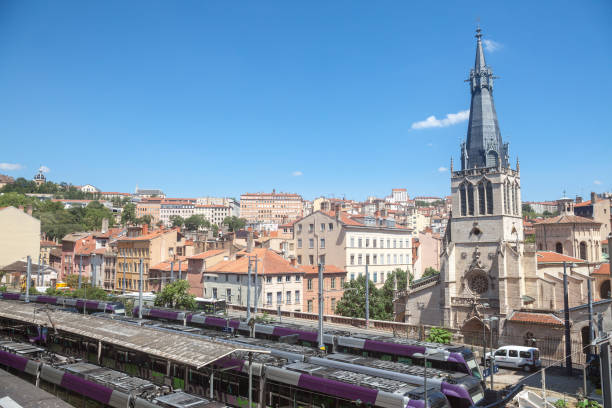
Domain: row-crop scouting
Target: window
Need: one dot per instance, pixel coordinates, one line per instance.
(332, 283)
(322, 246)
(352, 259)
(299, 259)
(352, 276)
(228, 295)
(333, 304)
(226, 277)
(489, 198)
(388, 259)
(322, 227)
(367, 242)
(299, 228)
(297, 296)
(342, 282)
(279, 279)
(269, 298)
(382, 277)
(394, 258)
(359, 243)
(214, 293)
(400, 243)
(462, 193)
(501, 353)
(583, 250)
(375, 277)
(288, 278)
(382, 243)
(367, 259)
(310, 243)
(310, 284)
(310, 227)
(481, 198)
(352, 242)
(512, 353)
(310, 306)
(322, 259)
(525, 354)
(298, 278)
(288, 297)
(359, 259)
(299, 242)
(374, 243)
(311, 259)
(279, 298)
(394, 244)
(388, 243)
(374, 259)
(559, 248)
(470, 190)
(330, 227)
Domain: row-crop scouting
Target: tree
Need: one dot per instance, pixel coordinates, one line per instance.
(177, 221)
(234, 223)
(429, 271)
(176, 295)
(352, 303)
(93, 215)
(72, 280)
(146, 219)
(215, 230)
(128, 215)
(439, 335)
(386, 296)
(195, 222)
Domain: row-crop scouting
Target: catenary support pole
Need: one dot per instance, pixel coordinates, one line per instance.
(544, 383)
(124, 268)
(590, 300)
(424, 375)
(179, 271)
(171, 271)
(367, 295)
(140, 290)
(250, 379)
(80, 271)
(38, 282)
(320, 331)
(568, 342)
(28, 274)
(256, 289)
(248, 305)
(604, 365)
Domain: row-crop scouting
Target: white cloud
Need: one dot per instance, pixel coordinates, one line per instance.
(429, 144)
(10, 166)
(597, 182)
(44, 169)
(491, 45)
(296, 173)
(442, 169)
(450, 119)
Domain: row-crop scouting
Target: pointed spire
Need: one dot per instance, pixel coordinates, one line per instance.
(479, 64)
(451, 164)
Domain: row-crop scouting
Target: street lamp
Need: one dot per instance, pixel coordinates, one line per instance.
(490, 320)
(424, 356)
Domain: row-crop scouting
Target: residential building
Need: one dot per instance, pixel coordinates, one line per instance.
(150, 247)
(151, 207)
(430, 248)
(351, 242)
(597, 209)
(333, 288)
(138, 192)
(109, 195)
(540, 207)
(429, 199)
(234, 206)
(417, 222)
(19, 235)
(165, 272)
(4, 180)
(278, 282)
(45, 250)
(183, 208)
(277, 208)
(76, 254)
(399, 195)
(198, 265)
(88, 188)
(215, 213)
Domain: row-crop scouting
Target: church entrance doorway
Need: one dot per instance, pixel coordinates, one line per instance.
(475, 332)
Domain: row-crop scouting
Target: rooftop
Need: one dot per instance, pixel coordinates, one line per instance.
(207, 254)
(554, 257)
(567, 219)
(268, 263)
(539, 318)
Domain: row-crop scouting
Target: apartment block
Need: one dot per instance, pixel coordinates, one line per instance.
(276, 208)
(19, 235)
(181, 207)
(333, 284)
(215, 213)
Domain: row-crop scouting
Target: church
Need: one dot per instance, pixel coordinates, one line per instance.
(487, 269)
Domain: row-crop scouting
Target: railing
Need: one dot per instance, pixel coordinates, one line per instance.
(424, 281)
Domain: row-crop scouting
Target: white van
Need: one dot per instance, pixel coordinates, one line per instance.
(527, 358)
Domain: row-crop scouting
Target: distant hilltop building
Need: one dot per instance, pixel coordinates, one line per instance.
(141, 193)
(277, 208)
(4, 180)
(88, 188)
(40, 178)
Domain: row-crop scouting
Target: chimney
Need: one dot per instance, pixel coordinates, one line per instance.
(337, 212)
(29, 209)
(104, 225)
(593, 198)
(578, 199)
(293, 261)
(20, 207)
(249, 247)
(145, 227)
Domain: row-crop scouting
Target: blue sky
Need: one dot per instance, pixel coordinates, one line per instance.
(220, 98)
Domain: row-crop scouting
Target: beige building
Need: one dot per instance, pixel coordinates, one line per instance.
(151, 207)
(597, 209)
(569, 234)
(335, 238)
(19, 235)
(278, 283)
(152, 247)
(275, 208)
(215, 213)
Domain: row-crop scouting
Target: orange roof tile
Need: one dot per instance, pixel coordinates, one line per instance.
(46, 243)
(567, 219)
(344, 218)
(553, 257)
(268, 263)
(539, 318)
(166, 265)
(604, 269)
(151, 235)
(583, 204)
(207, 254)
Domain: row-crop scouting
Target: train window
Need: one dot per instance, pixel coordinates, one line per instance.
(158, 366)
(179, 371)
(386, 357)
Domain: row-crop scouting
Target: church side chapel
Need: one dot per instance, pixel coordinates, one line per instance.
(487, 269)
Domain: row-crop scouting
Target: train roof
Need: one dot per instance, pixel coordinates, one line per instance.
(351, 377)
(183, 400)
(404, 340)
(109, 378)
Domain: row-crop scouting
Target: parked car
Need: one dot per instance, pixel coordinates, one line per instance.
(526, 358)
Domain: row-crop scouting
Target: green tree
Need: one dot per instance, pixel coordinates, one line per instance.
(176, 295)
(195, 222)
(386, 292)
(90, 293)
(177, 221)
(145, 220)
(234, 223)
(439, 335)
(128, 215)
(429, 271)
(15, 199)
(93, 215)
(352, 303)
(72, 280)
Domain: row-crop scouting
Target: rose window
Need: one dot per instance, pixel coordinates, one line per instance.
(478, 284)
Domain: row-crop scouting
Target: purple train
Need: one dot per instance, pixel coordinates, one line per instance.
(91, 306)
(445, 357)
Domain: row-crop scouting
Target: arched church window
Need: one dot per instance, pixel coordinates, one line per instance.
(604, 290)
(481, 198)
(513, 191)
(559, 248)
(516, 199)
(462, 193)
(583, 250)
(505, 189)
(478, 283)
(471, 199)
(489, 198)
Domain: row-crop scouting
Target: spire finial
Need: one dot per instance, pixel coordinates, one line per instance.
(478, 32)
